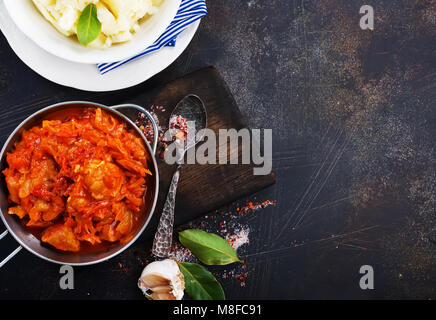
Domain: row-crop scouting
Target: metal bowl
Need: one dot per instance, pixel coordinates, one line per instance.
(49, 253)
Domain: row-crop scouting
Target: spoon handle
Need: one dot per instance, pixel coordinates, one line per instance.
(163, 238)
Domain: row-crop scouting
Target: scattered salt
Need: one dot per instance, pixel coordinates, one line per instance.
(239, 238)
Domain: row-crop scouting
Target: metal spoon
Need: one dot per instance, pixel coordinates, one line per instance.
(192, 109)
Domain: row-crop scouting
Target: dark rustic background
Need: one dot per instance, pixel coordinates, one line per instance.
(353, 114)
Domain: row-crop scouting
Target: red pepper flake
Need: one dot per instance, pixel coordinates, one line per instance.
(179, 125)
(242, 278)
(146, 126)
(251, 207)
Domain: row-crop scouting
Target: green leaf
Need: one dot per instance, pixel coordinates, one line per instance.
(200, 284)
(88, 26)
(209, 248)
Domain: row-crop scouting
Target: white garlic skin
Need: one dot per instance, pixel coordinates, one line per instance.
(164, 279)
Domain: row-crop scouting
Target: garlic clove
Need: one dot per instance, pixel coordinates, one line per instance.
(162, 280)
(162, 289)
(162, 296)
(154, 280)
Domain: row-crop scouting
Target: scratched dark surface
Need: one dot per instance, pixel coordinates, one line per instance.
(353, 115)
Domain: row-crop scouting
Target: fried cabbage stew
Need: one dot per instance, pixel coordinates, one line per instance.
(80, 181)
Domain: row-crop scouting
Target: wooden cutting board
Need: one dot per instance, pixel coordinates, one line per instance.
(202, 188)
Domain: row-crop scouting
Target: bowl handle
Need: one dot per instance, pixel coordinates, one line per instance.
(120, 107)
(12, 254)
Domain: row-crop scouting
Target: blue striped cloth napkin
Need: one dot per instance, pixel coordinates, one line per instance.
(189, 12)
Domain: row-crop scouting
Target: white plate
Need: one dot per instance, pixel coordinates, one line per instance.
(31, 22)
(85, 76)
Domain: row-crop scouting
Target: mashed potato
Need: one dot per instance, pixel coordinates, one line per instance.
(119, 18)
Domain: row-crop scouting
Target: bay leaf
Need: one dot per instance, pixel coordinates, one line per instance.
(200, 284)
(88, 26)
(209, 248)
